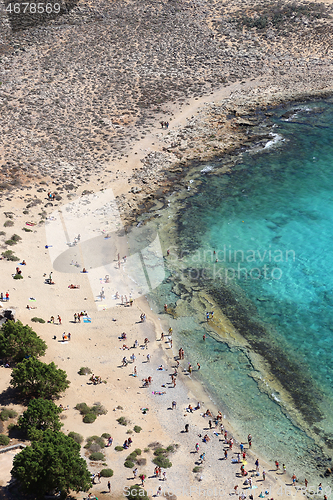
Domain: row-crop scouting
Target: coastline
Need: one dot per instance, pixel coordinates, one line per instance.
(192, 388)
(211, 123)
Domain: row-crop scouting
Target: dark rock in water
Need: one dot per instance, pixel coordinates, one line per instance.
(290, 113)
(328, 472)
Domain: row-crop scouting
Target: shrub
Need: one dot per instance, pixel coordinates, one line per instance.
(197, 469)
(37, 320)
(83, 408)
(134, 492)
(95, 444)
(132, 456)
(96, 456)
(106, 472)
(119, 448)
(122, 421)
(18, 277)
(160, 451)
(146, 450)
(8, 223)
(141, 461)
(162, 461)
(128, 464)
(6, 414)
(106, 435)
(2, 233)
(9, 255)
(84, 370)
(137, 429)
(137, 451)
(89, 418)
(77, 437)
(4, 440)
(11, 427)
(171, 448)
(129, 431)
(16, 238)
(99, 409)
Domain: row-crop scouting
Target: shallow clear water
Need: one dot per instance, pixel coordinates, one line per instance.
(270, 225)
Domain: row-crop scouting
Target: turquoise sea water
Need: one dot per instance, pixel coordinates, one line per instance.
(270, 224)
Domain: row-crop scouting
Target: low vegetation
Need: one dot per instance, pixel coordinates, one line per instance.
(90, 413)
(77, 437)
(84, 370)
(4, 440)
(106, 472)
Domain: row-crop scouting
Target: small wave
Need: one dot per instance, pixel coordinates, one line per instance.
(276, 138)
(206, 169)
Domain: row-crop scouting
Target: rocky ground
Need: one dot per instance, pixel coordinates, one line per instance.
(78, 89)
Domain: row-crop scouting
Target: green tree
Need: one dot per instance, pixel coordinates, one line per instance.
(54, 463)
(41, 414)
(18, 341)
(34, 378)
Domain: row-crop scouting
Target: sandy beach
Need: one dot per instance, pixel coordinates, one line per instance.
(71, 139)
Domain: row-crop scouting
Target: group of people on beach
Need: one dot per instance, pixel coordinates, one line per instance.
(164, 124)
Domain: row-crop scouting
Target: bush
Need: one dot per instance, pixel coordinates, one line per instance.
(141, 461)
(134, 492)
(162, 461)
(18, 277)
(83, 408)
(95, 441)
(129, 431)
(9, 223)
(89, 418)
(137, 451)
(106, 435)
(37, 320)
(4, 440)
(146, 450)
(160, 451)
(6, 414)
(16, 238)
(122, 421)
(96, 456)
(129, 464)
(9, 255)
(137, 429)
(99, 409)
(84, 370)
(197, 469)
(26, 229)
(106, 472)
(131, 457)
(171, 448)
(119, 448)
(77, 437)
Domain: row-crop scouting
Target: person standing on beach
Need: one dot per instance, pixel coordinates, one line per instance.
(257, 464)
(109, 486)
(174, 405)
(264, 475)
(277, 465)
(249, 439)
